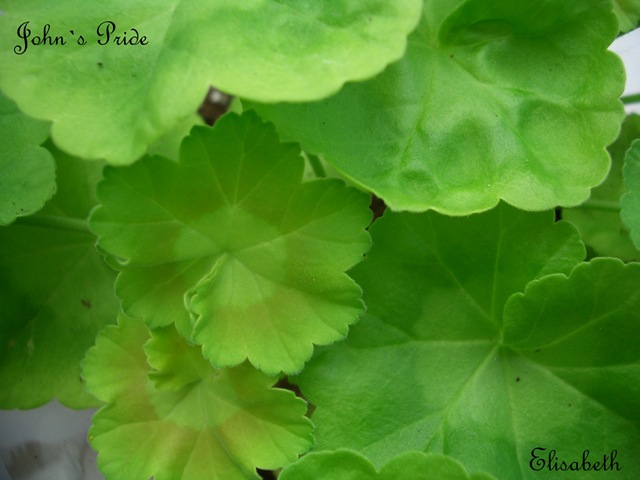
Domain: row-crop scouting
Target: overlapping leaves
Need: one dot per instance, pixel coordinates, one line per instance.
(598, 219)
(630, 202)
(27, 170)
(217, 424)
(485, 338)
(111, 101)
(492, 100)
(56, 293)
(230, 245)
(349, 465)
(628, 13)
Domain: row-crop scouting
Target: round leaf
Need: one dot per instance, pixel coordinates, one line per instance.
(477, 350)
(598, 219)
(220, 427)
(113, 96)
(251, 260)
(27, 171)
(56, 293)
(349, 465)
(492, 100)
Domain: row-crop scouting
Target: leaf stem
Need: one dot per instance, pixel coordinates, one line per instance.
(54, 222)
(603, 205)
(635, 98)
(316, 165)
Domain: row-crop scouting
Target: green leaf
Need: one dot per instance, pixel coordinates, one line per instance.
(221, 426)
(465, 361)
(630, 202)
(111, 101)
(349, 465)
(494, 99)
(175, 363)
(233, 248)
(56, 294)
(598, 219)
(27, 170)
(628, 13)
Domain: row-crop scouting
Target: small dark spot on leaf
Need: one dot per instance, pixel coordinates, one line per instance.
(85, 303)
(517, 379)
(536, 350)
(569, 404)
(451, 56)
(100, 64)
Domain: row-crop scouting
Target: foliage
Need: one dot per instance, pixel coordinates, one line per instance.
(219, 424)
(630, 202)
(56, 294)
(486, 104)
(491, 352)
(199, 287)
(349, 465)
(598, 219)
(27, 170)
(129, 96)
(256, 256)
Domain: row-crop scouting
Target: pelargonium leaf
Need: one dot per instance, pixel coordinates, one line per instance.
(630, 202)
(230, 245)
(27, 170)
(628, 13)
(56, 293)
(489, 354)
(175, 363)
(221, 426)
(598, 219)
(111, 101)
(350, 465)
(494, 99)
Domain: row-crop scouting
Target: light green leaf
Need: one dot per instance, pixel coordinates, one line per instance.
(349, 465)
(630, 202)
(27, 170)
(233, 248)
(598, 219)
(175, 363)
(628, 13)
(457, 372)
(111, 101)
(220, 427)
(494, 99)
(56, 293)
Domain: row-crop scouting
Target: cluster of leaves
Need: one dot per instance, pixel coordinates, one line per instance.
(178, 275)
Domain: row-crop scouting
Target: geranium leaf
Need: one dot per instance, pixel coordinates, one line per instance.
(56, 294)
(492, 100)
(27, 170)
(175, 363)
(630, 202)
(628, 13)
(221, 426)
(598, 219)
(350, 465)
(111, 101)
(456, 372)
(593, 350)
(250, 258)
